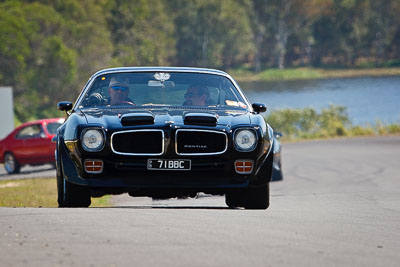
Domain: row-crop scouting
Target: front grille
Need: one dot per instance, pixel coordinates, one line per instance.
(200, 142)
(138, 142)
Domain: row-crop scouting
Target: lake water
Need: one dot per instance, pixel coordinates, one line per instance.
(367, 99)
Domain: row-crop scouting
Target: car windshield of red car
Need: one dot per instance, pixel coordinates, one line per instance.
(30, 131)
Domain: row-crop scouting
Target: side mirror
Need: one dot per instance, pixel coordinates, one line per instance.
(259, 108)
(64, 105)
(278, 135)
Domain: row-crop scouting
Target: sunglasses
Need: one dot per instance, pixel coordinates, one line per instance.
(122, 88)
(189, 95)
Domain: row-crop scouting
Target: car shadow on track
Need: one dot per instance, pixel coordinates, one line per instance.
(170, 207)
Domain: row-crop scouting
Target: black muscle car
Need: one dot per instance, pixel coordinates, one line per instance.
(164, 133)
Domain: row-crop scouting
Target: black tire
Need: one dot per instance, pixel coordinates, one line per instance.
(256, 197)
(11, 164)
(53, 165)
(71, 195)
(233, 199)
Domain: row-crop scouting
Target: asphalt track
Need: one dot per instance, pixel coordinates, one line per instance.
(43, 171)
(339, 205)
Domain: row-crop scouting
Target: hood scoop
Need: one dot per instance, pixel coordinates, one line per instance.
(133, 119)
(205, 119)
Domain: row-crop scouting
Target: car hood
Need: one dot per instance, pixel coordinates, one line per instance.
(120, 118)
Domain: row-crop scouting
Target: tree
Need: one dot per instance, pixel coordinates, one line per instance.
(141, 31)
(290, 17)
(37, 55)
(212, 33)
(14, 45)
(356, 32)
(85, 31)
(258, 13)
(41, 41)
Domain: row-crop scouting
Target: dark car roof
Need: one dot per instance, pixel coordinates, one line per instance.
(167, 69)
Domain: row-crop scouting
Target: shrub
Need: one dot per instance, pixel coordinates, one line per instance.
(332, 121)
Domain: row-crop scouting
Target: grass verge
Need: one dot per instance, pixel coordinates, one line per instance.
(246, 75)
(37, 192)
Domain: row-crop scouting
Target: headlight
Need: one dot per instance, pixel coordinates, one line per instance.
(245, 140)
(92, 140)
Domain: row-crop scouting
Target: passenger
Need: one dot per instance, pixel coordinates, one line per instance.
(196, 95)
(119, 91)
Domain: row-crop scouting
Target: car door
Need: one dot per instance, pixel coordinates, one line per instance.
(30, 145)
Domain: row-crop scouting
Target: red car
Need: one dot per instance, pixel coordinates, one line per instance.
(29, 144)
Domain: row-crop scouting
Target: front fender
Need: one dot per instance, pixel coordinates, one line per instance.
(65, 165)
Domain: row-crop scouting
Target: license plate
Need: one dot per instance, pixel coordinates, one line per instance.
(169, 164)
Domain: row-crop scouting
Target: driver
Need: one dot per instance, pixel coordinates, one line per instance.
(196, 95)
(118, 91)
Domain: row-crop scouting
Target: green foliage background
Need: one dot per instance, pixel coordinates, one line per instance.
(49, 48)
(333, 121)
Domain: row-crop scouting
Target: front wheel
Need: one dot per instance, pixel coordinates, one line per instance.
(11, 164)
(71, 195)
(234, 199)
(256, 197)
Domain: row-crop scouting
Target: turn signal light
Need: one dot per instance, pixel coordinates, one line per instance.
(93, 165)
(244, 166)
(71, 145)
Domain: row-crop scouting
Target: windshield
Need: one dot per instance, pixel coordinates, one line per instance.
(143, 89)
